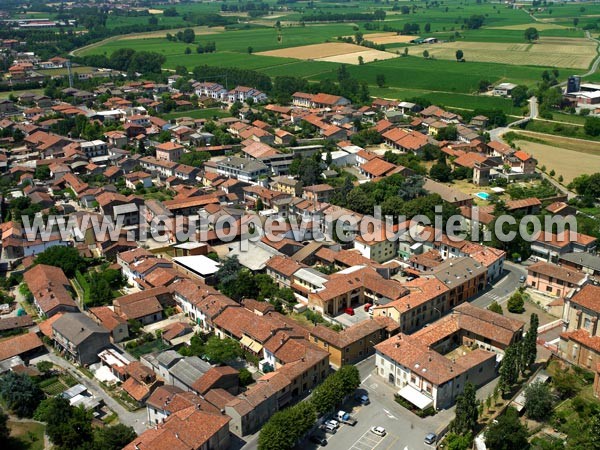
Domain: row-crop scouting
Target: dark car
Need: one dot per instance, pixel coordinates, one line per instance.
(318, 439)
(363, 399)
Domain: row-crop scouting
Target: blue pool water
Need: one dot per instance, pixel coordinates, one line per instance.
(483, 195)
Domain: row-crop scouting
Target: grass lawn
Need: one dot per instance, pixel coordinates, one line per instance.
(25, 435)
(6, 94)
(65, 71)
(206, 113)
(148, 347)
(559, 129)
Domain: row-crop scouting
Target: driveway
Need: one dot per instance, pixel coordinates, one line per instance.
(136, 419)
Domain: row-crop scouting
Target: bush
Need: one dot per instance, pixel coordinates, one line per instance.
(516, 303)
(245, 377)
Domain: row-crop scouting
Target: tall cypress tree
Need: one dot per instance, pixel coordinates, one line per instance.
(530, 343)
(467, 411)
(509, 370)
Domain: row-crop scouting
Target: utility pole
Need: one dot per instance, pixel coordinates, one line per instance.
(70, 73)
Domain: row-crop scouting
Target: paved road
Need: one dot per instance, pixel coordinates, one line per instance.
(136, 419)
(504, 287)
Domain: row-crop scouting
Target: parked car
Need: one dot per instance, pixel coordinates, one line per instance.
(363, 399)
(349, 311)
(431, 438)
(346, 418)
(334, 423)
(522, 279)
(379, 431)
(328, 428)
(367, 307)
(318, 439)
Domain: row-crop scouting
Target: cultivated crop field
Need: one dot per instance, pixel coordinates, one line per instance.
(549, 51)
(278, 44)
(566, 162)
(337, 52)
(389, 38)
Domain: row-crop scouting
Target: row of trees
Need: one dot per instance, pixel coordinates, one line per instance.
(127, 60)
(285, 428)
(519, 357)
(343, 17)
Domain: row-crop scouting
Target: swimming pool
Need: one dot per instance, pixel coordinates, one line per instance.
(483, 195)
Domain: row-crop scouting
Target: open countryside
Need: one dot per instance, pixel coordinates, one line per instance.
(548, 51)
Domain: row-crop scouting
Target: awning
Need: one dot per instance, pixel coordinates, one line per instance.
(251, 344)
(417, 398)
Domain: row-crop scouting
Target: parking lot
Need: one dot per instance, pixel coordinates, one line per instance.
(404, 430)
(367, 441)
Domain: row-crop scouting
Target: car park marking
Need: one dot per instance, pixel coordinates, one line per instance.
(368, 441)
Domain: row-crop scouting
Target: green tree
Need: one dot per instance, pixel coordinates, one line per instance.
(530, 342)
(495, 307)
(250, 50)
(459, 55)
(286, 427)
(509, 368)
(538, 401)
(195, 158)
(465, 420)
(591, 126)
(21, 394)
(519, 95)
(113, 438)
(508, 433)
(229, 270)
(44, 366)
(4, 430)
(188, 36)
(425, 54)
(531, 34)
(220, 351)
(565, 383)
(42, 172)
(67, 258)
(380, 79)
(245, 377)
(516, 303)
(440, 172)
(455, 441)
(427, 27)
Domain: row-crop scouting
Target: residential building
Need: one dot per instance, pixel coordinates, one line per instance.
(50, 289)
(350, 345)
(169, 151)
(189, 429)
(581, 310)
(554, 280)
(79, 338)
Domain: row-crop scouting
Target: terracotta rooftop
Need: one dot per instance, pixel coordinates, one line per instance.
(588, 297)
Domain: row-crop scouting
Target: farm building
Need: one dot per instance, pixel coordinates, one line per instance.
(504, 89)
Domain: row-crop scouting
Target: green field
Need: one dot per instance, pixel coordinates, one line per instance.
(207, 113)
(438, 80)
(25, 435)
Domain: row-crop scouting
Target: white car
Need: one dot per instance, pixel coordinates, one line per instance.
(379, 431)
(333, 423)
